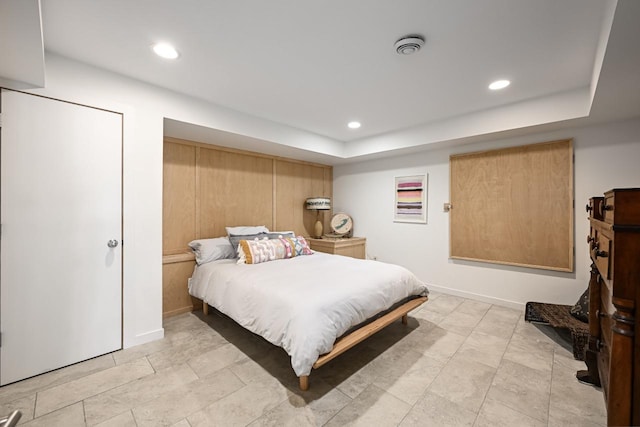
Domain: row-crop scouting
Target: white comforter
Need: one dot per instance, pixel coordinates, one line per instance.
(305, 303)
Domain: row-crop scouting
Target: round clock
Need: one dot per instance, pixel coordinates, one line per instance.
(341, 224)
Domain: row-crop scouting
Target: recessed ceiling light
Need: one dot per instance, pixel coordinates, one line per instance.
(353, 125)
(499, 84)
(165, 50)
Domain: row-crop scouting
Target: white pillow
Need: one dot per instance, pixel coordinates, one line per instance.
(246, 230)
(207, 250)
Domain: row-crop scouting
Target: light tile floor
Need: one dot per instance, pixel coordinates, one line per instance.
(459, 362)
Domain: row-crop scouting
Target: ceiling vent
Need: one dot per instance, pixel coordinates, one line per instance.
(409, 44)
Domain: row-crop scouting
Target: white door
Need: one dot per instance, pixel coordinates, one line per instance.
(61, 203)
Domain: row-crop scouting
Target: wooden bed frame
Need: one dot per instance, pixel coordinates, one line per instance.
(357, 336)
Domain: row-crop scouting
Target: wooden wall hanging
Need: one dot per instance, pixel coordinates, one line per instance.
(514, 206)
(207, 187)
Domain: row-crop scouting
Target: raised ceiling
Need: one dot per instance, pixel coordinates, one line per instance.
(317, 65)
(285, 78)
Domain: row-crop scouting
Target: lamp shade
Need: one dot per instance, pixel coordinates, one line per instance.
(318, 203)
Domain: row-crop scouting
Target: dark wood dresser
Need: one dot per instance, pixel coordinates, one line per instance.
(613, 355)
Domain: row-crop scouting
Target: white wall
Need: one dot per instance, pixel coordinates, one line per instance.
(145, 107)
(606, 156)
(365, 190)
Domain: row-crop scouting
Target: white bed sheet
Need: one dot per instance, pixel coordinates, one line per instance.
(305, 303)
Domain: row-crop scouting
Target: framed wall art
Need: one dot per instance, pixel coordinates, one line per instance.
(410, 199)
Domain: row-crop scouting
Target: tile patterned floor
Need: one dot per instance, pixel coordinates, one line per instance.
(458, 363)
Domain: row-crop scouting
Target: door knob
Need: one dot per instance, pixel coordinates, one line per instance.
(112, 243)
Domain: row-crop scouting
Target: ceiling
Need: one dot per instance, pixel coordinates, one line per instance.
(305, 69)
(317, 65)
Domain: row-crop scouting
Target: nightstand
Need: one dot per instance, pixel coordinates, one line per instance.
(354, 247)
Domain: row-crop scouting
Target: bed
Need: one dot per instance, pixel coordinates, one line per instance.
(309, 305)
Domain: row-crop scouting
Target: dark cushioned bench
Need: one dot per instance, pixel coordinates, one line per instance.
(559, 316)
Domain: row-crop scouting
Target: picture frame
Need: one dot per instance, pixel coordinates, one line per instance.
(410, 204)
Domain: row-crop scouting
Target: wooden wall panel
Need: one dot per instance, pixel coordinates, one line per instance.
(514, 206)
(295, 182)
(207, 188)
(179, 195)
(175, 294)
(234, 189)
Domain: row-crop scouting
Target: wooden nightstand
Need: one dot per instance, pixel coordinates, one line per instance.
(354, 247)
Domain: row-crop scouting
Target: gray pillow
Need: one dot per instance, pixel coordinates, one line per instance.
(235, 239)
(245, 230)
(207, 250)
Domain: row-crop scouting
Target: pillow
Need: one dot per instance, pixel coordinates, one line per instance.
(300, 246)
(246, 230)
(281, 234)
(581, 308)
(207, 250)
(235, 239)
(257, 251)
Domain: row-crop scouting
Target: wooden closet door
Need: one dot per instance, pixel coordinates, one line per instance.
(61, 213)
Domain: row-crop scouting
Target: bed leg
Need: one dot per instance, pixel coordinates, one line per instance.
(304, 382)
(404, 319)
(205, 308)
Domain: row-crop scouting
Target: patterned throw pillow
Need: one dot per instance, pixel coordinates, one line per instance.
(581, 308)
(257, 251)
(299, 246)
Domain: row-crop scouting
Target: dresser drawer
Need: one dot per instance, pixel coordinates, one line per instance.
(606, 311)
(605, 314)
(621, 206)
(607, 207)
(594, 207)
(354, 247)
(601, 255)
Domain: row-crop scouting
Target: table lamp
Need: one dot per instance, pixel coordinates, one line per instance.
(318, 204)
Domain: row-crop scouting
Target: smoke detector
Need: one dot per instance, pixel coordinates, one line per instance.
(409, 44)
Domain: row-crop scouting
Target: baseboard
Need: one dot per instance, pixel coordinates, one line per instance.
(144, 338)
(177, 311)
(484, 298)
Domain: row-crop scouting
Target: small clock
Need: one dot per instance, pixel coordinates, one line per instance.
(341, 224)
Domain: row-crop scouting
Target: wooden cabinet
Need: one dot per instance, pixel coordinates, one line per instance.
(354, 247)
(613, 356)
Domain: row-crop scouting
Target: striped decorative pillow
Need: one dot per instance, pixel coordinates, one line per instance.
(257, 251)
